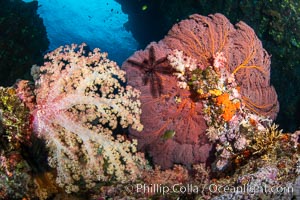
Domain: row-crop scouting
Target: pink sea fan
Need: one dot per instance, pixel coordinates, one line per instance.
(204, 39)
(173, 110)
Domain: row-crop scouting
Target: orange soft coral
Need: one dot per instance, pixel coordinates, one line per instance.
(229, 107)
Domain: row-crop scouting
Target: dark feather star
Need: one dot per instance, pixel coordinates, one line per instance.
(151, 68)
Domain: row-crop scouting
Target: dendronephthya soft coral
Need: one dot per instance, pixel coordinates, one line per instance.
(80, 101)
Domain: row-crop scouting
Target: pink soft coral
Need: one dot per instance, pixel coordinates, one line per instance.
(80, 100)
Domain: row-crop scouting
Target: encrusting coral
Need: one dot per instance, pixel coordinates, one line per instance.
(80, 101)
(14, 123)
(231, 125)
(16, 181)
(15, 132)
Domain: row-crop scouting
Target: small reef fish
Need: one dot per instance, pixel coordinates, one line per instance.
(168, 134)
(144, 7)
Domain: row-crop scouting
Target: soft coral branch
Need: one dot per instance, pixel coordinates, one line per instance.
(80, 101)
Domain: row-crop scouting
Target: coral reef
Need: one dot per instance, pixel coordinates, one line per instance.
(275, 22)
(14, 120)
(15, 131)
(272, 178)
(232, 127)
(199, 103)
(16, 182)
(80, 100)
(201, 38)
(212, 58)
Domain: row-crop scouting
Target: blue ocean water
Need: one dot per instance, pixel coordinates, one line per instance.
(97, 24)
